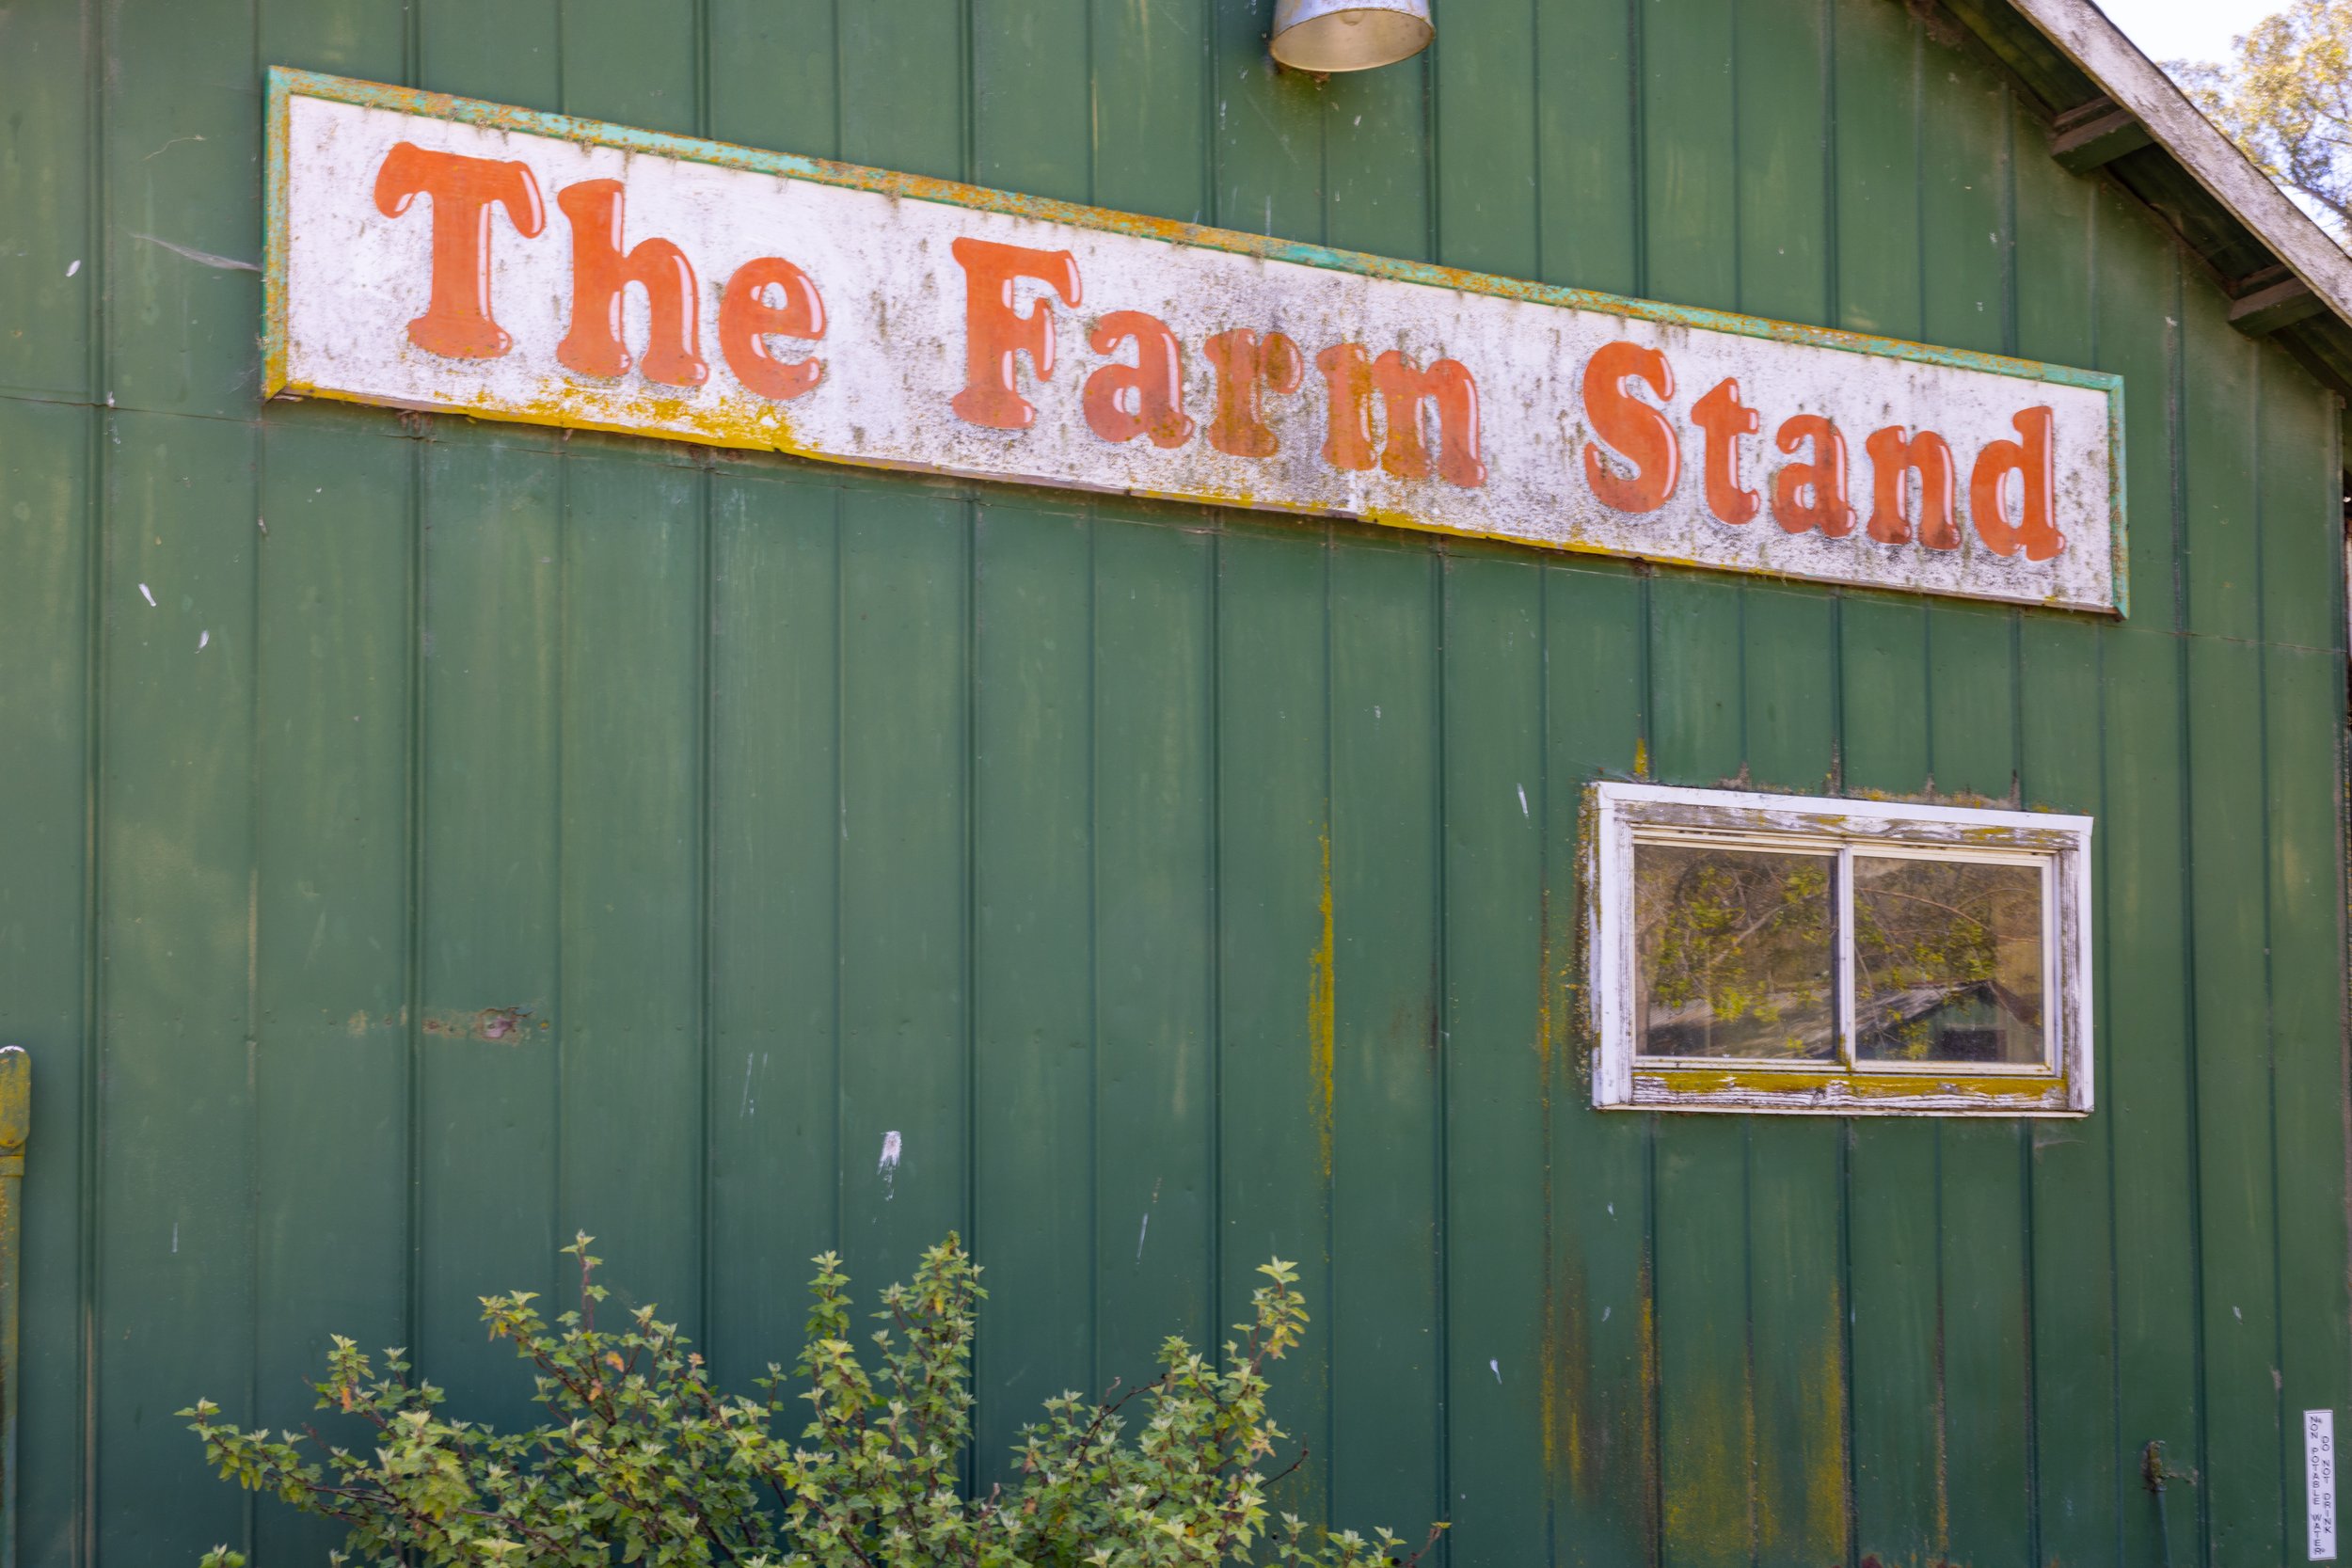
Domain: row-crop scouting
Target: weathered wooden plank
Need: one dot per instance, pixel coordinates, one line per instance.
(1377, 160)
(1275, 958)
(1882, 649)
(1266, 135)
(1796, 1308)
(629, 1021)
(1601, 1359)
(2220, 418)
(1033, 965)
(1706, 1395)
(508, 53)
(46, 531)
(181, 207)
(1901, 1505)
(2243, 1492)
(1875, 68)
(1782, 131)
(332, 1047)
(486, 902)
(906, 979)
(775, 847)
(1971, 700)
(51, 277)
(1588, 222)
(1965, 242)
(1690, 158)
(1154, 927)
(1031, 97)
(174, 1238)
(2302, 695)
(636, 62)
(1150, 108)
(352, 38)
(2146, 1070)
(1503, 1087)
(2136, 310)
(2056, 257)
(1985, 1318)
(1788, 676)
(1390, 1045)
(903, 87)
(773, 79)
(1486, 165)
(1695, 697)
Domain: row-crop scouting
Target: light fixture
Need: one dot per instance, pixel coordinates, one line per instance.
(1323, 35)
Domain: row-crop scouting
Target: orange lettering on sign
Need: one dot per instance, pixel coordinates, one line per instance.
(1347, 432)
(994, 332)
(1894, 459)
(1156, 382)
(1403, 388)
(1246, 364)
(456, 323)
(2030, 462)
(1825, 477)
(1724, 419)
(601, 271)
(747, 320)
(1631, 428)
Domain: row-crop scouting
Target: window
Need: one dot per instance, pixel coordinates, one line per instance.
(1773, 953)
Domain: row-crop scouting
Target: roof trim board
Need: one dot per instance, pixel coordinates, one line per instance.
(2083, 33)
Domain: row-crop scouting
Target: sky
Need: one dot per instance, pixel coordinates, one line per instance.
(2186, 29)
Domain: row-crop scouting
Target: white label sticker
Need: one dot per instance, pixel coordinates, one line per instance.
(2319, 1461)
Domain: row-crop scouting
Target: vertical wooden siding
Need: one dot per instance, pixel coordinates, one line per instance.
(485, 834)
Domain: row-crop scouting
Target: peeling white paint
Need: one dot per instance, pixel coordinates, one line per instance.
(147, 595)
(888, 1167)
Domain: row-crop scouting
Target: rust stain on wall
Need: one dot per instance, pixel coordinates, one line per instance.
(1322, 1017)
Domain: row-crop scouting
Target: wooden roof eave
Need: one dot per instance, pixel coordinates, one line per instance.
(2112, 109)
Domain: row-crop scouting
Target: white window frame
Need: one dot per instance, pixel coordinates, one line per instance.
(1619, 814)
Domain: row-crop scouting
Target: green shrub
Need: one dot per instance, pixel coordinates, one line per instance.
(642, 1460)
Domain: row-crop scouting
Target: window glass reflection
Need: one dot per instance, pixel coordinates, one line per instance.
(1734, 952)
(1947, 961)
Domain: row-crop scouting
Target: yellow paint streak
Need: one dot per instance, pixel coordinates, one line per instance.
(2007, 1090)
(1826, 1481)
(1641, 757)
(1322, 1019)
(1704, 1490)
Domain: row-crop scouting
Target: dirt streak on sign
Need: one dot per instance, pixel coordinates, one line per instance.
(436, 253)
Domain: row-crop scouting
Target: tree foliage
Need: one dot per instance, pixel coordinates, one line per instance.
(2285, 97)
(644, 1459)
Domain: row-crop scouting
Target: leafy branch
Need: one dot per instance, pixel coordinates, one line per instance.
(643, 1458)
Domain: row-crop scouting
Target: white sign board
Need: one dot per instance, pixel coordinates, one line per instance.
(2319, 1465)
(428, 252)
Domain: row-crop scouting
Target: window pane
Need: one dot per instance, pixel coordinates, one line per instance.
(1947, 961)
(1733, 949)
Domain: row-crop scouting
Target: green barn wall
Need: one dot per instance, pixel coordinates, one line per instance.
(1181, 886)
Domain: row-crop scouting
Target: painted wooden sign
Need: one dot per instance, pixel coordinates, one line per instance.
(439, 253)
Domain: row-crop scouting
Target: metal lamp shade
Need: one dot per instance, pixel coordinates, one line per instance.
(1349, 35)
